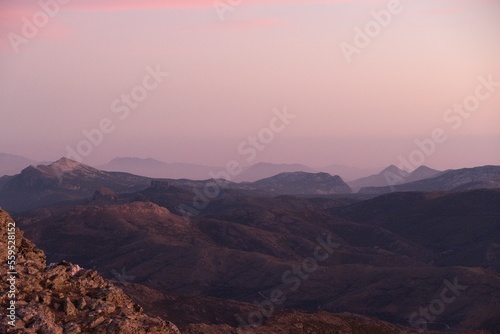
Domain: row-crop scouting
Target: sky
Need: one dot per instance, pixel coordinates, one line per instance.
(353, 82)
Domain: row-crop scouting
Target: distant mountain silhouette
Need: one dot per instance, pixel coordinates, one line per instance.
(392, 175)
(264, 170)
(13, 164)
(421, 173)
(159, 169)
(459, 179)
(301, 183)
(380, 179)
(347, 173)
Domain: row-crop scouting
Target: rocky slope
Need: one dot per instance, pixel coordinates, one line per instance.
(64, 298)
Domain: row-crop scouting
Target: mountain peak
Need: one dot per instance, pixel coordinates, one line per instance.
(424, 168)
(67, 165)
(57, 169)
(394, 169)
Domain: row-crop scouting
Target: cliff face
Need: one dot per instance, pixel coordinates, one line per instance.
(61, 298)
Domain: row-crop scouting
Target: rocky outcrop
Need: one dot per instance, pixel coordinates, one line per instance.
(104, 196)
(159, 184)
(62, 298)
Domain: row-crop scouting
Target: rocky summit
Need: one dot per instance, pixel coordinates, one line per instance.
(62, 298)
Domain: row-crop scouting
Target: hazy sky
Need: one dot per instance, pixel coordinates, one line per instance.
(232, 68)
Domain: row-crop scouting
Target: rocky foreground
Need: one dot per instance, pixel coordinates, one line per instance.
(63, 298)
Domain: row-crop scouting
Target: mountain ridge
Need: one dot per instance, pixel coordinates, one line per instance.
(455, 179)
(393, 175)
(303, 183)
(262, 170)
(153, 168)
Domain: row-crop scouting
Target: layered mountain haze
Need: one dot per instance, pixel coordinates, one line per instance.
(13, 164)
(393, 175)
(263, 170)
(347, 173)
(380, 179)
(421, 173)
(158, 169)
(450, 180)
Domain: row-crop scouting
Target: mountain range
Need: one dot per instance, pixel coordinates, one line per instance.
(158, 169)
(152, 168)
(63, 180)
(347, 173)
(339, 261)
(392, 175)
(264, 170)
(459, 179)
(66, 180)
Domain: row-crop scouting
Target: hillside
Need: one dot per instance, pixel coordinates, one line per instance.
(65, 298)
(240, 246)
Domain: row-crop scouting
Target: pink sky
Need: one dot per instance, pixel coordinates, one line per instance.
(225, 77)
